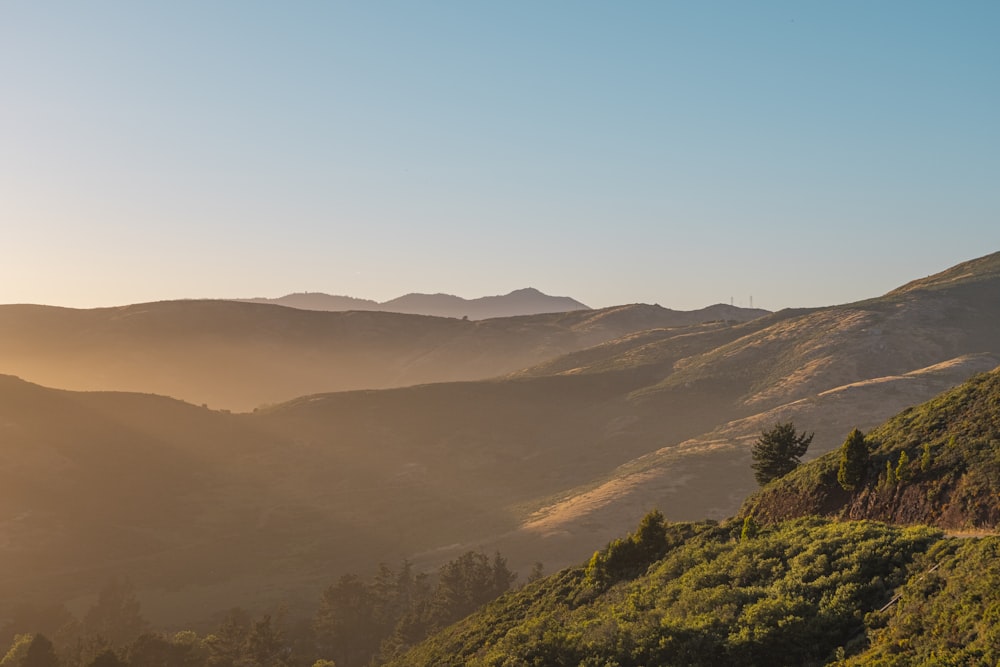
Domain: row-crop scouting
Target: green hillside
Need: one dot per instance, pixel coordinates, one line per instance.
(951, 479)
(792, 595)
(769, 588)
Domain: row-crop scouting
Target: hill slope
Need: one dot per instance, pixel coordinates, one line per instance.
(797, 591)
(242, 355)
(828, 370)
(952, 479)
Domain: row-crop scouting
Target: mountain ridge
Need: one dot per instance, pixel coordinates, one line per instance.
(525, 301)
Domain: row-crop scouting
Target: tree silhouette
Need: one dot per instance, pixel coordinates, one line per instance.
(777, 452)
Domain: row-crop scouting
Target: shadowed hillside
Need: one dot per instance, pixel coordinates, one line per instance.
(242, 355)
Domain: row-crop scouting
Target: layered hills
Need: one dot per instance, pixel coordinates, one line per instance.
(528, 301)
(798, 589)
(612, 412)
(240, 356)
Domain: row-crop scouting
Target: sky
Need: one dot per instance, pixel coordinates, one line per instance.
(680, 153)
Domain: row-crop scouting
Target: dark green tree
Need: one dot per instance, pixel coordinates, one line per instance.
(777, 452)
(345, 623)
(265, 646)
(750, 528)
(116, 616)
(225, 645)
(854, 458)
(41, 653)
(902, 467)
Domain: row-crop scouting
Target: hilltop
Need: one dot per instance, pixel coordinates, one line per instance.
(528, 301)
(241, 356)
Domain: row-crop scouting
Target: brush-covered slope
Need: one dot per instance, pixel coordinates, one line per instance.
(951, 479)
(242, 355)
(797, 590)
(697, 594)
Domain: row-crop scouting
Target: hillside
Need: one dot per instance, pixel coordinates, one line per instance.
(240, 356)
(952, 479)
(528, 301)
(828, 370)
(778, 585)
(800, 593)
(546, 463)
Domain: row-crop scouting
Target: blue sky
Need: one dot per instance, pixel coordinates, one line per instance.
(681, 153)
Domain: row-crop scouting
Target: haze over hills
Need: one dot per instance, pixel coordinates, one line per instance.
(528, 301)
(546, 463)
(242, 355)
(768, 589)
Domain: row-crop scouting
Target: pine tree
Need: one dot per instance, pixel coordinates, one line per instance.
(902, 472)
(853, 460)
(777, 452)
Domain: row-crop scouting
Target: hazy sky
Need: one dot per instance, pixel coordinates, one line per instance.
(679, 153)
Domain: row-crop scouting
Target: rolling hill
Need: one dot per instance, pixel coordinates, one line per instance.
(545, 463)
(240, 356)
(779, 585)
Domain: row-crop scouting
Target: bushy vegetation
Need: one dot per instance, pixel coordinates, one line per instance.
(947, 615)
(792, 594)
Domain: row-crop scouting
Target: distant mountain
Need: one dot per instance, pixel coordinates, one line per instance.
(242, 355)
(527, 301)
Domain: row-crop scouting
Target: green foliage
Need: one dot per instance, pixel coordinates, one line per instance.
(18, 649)
(750, 528)
(945, 616)
(902, 469)
(793, 595)
(778, 451)
(890, 473)
(854, 457)
(630, 556)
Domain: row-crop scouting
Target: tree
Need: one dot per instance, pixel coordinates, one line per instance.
(750, 528)
(41, 653)
(777, 452)
(854, 456)
(116, 616)
(902, 467)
